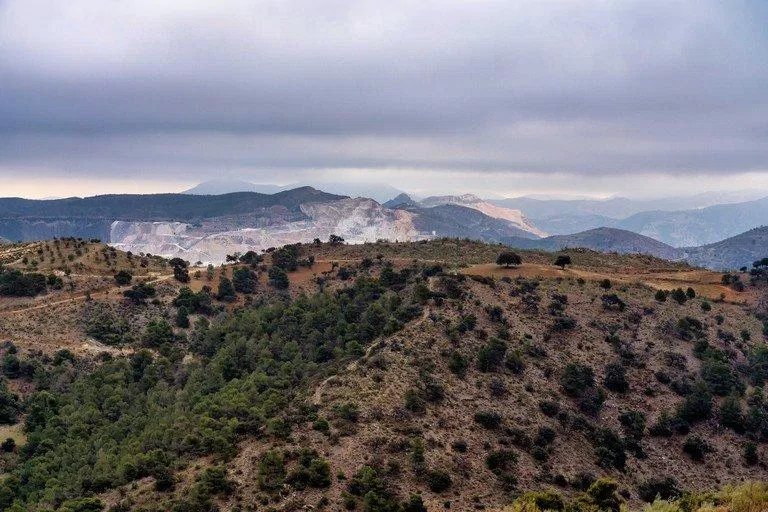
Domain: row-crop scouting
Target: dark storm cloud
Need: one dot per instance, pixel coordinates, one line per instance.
(580, 86)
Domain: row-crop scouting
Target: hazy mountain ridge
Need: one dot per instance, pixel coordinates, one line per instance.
(735, 252)
(605, 240)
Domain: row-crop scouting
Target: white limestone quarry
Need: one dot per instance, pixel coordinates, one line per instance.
(358, 220)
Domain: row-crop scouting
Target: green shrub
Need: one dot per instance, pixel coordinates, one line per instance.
(616, 378)
(576, 378)
(664, 488)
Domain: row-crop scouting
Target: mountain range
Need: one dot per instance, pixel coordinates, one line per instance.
(207, 227)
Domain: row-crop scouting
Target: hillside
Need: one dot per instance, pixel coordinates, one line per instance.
(604, 240)
(735, 252)
(380, 375)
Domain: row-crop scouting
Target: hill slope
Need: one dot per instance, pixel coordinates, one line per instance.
(731, 253)
(604, 240)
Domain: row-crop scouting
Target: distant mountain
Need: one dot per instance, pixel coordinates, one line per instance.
(699, 227)
(619, 208)
(731, 253)
(604, 240)
(219, 187)
(400, 200)
(456, 221)
(513, 216)
(378, 191)
(92, 217)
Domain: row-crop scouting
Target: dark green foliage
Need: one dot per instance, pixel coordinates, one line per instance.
(609, 449)
(697, 406)
(689, 328)
(563, 323)
(244, 280)
(15, 283)
(108, 424)
(616, 378)
(491, 356)
(104, 324)
(139, 293)
(576, 378)
(286, 258)
(488, 419)
(82, 505)
(180, 269)
(312, 471)
(696, 447)
(226, 291)
(182, 318)
(271, 472)
(721, 377)
(200, 302)
(10, 407)
(633, 423)
(515, 362)
(750, 453)
(661, 296)
(438, 480)
(664, 488)
(458, 364)
(731, 413)
(613, 302)
(123, 278)
(549, 408)
(562, 261)
(679, 296)
(508, 258)
(158, 333)
(605, 284)
(278, 279)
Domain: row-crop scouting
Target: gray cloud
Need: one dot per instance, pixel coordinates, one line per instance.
(193, 87)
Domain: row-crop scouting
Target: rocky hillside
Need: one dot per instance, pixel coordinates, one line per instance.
(379, 377)
(513, 216)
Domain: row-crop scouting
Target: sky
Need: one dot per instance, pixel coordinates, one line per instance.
(569, 97)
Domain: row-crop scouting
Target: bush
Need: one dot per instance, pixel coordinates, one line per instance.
(549, 408)
(696, 447)
(488, 419)
(123, 278)
(731, 414)
(491, 356)
(458, 364)
(576, 378)
(616, 378)
(661, 296)
(609, 449)
(750, 453)
(664, 488)
(697, 406)
(438, 480)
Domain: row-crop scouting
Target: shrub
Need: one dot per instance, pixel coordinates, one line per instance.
(661, 296)
(616, 378)
(123, 278)
(697, 406)
(750, 453)
(488, 419)
(438, 480)
(696, 447)
(609, 449)
(664, 488)
(458, 364)
(720, 377)
(679, 296)
(605, 284)
(576, 378)
(591, 401)
(491, 355)
(549, 408)
(515, 362)
(614, 302)
(731, 414)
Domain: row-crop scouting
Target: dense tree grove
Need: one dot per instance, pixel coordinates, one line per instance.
(93, 429)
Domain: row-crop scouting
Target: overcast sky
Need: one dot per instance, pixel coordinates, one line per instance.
(508, 97)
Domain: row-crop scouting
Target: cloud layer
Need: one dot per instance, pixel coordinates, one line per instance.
(276, 88)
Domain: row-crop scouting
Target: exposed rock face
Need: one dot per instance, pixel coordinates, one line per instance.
(515, 217)
(357, 220)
